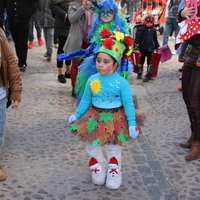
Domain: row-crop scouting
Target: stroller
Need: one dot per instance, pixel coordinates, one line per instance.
(155, 7)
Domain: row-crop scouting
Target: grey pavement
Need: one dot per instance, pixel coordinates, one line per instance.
(44, 161)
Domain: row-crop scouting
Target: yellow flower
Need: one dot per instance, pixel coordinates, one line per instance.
(95, 86)
(119, 36)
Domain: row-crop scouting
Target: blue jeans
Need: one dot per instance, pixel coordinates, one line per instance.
(34, 22)
(2, 120)
(171, 25)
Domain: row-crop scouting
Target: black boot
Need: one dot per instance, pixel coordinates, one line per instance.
(147, 78)
(139, 76)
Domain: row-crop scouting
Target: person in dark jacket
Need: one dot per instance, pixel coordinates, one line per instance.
(146, 40)
(19, 13)
(59, 9)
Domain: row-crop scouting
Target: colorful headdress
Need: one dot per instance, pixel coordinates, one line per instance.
(104, 6)
(116, 44)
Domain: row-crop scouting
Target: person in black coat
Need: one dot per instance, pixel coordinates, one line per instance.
(146, 40)
(62, 24)
(19, 13)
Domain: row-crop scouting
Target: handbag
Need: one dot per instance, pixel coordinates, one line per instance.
(165, 52)
(135, 59)
(154, 64)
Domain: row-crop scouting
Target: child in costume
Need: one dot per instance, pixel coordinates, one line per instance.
(146, 40)
(107, 18)
(106, 114)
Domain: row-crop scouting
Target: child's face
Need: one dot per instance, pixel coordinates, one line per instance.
(106, 15)
(149, 22)
(105, 64)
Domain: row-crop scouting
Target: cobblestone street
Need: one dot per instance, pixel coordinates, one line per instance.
(43, 161)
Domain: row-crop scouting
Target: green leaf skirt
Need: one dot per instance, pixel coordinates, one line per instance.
(101, 126)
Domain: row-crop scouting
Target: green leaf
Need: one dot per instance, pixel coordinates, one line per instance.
(96, 142)
(106, 116)
(72, 127)
(121, 136)
(91, 124)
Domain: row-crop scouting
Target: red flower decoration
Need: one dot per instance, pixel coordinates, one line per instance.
(108, 43)
(128, 40)
(105, 33)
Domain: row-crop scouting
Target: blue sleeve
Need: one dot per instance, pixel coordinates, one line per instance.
(180, 5)
(85, 103)
(127, 101)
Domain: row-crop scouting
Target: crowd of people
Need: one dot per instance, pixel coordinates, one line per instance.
(94, 51)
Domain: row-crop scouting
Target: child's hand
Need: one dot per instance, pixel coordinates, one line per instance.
(72, 119)
(133, 131)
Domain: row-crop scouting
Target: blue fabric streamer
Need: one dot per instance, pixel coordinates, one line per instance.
(80, 52)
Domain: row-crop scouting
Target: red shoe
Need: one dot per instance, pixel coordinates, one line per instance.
(30, 45)
(40, 42)
(198, 64)
(180, 78)
(180, 88)
(180, 60)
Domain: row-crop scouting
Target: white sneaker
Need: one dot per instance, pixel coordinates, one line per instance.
(174, 52)
(114, 175)
(171, 38)
(98, 172)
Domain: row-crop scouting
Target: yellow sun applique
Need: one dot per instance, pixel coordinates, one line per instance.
(95, 86)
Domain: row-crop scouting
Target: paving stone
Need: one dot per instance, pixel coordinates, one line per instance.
(155, 165)
(159, 175)
(139, 159)
(154, 192)
(149, 180)
(146, 146)
(150, 155)
(144, 170)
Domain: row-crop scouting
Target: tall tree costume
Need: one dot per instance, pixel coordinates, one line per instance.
(87, 68)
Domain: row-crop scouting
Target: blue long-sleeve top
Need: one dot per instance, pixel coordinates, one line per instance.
(108, 91)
